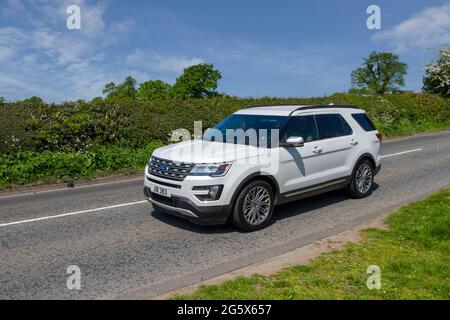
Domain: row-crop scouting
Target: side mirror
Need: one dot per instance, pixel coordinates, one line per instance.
(207, 134)
(295, 142)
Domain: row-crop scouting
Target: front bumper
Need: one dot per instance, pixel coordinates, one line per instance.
(186, 209)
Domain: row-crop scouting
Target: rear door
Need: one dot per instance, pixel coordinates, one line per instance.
(337, 140)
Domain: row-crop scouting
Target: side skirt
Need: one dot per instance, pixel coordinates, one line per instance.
(310, 191)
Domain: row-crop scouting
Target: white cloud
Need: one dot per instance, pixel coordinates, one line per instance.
(123, 26)
(6, 52)
(20, 85)
(277, 60)
(428, 29)
(153, 61)
(92, 23)
(41, 57)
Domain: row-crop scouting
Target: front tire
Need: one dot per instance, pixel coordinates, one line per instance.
(362, 180)
(254, 206)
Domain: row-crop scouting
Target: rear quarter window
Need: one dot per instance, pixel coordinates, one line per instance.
(364, 121)
(333, 126)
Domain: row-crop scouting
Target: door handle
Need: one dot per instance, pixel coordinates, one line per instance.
(354, 142)
(317, 150)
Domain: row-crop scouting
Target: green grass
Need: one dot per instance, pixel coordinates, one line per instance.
(56, 166)
(413, 255)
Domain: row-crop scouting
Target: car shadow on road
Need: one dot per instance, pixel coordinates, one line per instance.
(281, 212)
(306, 205)
(189, 226)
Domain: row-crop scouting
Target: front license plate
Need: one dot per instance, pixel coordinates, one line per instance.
(161, 191)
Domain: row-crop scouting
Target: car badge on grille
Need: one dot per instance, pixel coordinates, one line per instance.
(163, 168)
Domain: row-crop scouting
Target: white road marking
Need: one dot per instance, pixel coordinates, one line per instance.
(74, 188)
(71, 213)
(400, 153)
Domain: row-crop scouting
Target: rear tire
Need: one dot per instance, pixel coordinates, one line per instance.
(361, 183)
(253, 207)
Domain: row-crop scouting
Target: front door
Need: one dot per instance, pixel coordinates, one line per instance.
(300, 166)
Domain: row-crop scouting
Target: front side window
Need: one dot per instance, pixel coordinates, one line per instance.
(332, 126)
(301, 126)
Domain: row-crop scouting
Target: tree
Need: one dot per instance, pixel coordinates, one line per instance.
(153, 90)
(437, 74)
(97, 100)
(199, 81)
(109, 89)
(127, 89)
(380, 73)
(33, 100)
(2, 100)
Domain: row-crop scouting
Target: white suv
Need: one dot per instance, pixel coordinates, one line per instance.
(299, 151)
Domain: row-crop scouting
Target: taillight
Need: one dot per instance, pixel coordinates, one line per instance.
(380, 137)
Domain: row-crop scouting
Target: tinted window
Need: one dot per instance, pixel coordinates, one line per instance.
(304, 127)
(333, 125)
(364, 121)
(231, 128)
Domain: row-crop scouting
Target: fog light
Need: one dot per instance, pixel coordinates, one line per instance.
(213, 191)
(207, 193)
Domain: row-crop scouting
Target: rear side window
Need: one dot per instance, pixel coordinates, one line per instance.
(364, 121)
(332, 126)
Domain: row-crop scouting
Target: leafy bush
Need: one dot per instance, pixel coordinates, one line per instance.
(77, 126)
(80, 139)
(28, 166)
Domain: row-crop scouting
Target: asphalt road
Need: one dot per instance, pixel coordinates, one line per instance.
(128, 251)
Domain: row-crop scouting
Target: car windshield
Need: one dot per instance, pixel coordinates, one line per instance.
(255, 130)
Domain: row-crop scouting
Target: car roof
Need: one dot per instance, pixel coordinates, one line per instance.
(286, 110)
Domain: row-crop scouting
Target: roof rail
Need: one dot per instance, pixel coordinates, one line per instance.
(309, 107)
(269, 105)
(341, 106)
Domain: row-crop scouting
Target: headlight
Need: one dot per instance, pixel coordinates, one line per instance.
(213, 170)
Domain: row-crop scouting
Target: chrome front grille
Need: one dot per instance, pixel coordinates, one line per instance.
(168, 169)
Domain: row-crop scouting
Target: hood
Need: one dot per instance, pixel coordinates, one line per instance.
(200, 151)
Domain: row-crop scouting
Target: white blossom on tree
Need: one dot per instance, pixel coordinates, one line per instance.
(437, 74)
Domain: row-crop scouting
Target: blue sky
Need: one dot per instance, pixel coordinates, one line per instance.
(262, 48)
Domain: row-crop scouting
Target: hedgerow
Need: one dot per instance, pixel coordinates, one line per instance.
(29, 166)
(83, 139)
(76, 126)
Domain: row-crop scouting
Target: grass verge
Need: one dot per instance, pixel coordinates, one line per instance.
(413, 256)
(50, 166)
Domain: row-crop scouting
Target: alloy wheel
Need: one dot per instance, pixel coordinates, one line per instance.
(257, 205)
(364, 178)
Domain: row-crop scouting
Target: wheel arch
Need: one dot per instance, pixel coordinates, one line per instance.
(362, 157)
(257, 176)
